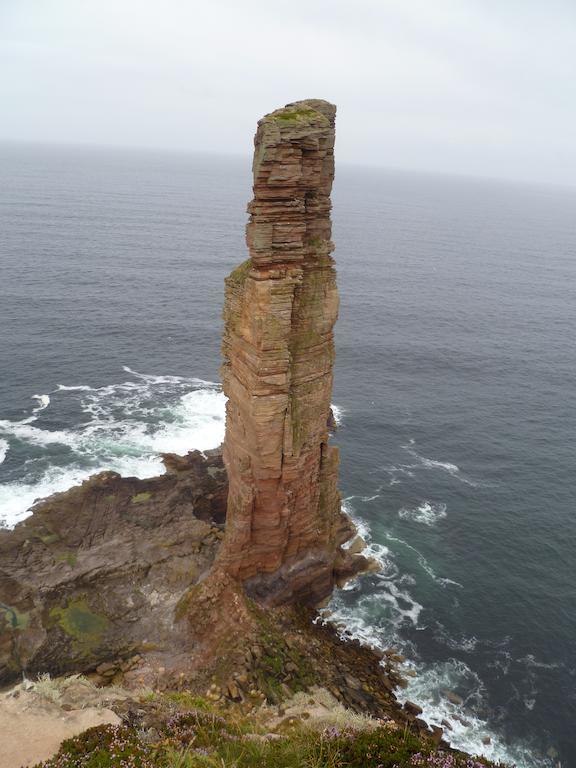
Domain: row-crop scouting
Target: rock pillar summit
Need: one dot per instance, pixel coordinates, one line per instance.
(284, 526)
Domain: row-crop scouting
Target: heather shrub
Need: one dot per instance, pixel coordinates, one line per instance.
(200, 739)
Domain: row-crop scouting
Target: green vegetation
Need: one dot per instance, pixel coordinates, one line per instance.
(48, 538)
(186, 601)
(81, 623)
(200, 739)
(141, 497)
(239, 275)
(69, 558)
(276, 658)
(296, 115)
(234, 286)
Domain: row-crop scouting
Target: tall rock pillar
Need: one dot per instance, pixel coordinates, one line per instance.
(284, 524)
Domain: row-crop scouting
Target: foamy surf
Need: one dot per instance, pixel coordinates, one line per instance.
(428, 513)
(73, 388)
(449, 691)
(43, 402)
(338, 414)
(120, 427)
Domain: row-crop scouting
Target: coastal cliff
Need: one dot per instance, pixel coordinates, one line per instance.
(284, 526)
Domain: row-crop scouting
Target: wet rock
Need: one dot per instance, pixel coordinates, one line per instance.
(453, 698)
(331, 422)
(357, 545)
(421, 725)
(462, 720)
(412, 708)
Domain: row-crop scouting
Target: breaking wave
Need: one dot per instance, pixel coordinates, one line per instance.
(121, 427)
(338, 414)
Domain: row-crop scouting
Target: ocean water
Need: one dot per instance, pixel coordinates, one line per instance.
(455, 384)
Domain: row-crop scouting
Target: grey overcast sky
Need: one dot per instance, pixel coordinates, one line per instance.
(481, 87)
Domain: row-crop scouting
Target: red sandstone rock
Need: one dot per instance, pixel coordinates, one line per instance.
(284, 523)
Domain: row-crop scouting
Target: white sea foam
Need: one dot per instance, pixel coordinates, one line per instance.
(77, 388)
(338, 413)
(4, 448)
(428, 513)
(43, 402)
(372, 549)
(460, 643)
(373, 497)
(365, 619)
(124, 429)
(469, 731)
(400, 469)
(445, 466)
(24, 431)
(502, 661)
(154, 379)
(400, 605)
(432, 682)
(16, 499)
(530, 661)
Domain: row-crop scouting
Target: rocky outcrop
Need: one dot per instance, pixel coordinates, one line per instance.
(96, 573)
(284, 526)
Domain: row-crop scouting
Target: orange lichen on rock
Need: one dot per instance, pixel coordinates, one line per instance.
(284, 526)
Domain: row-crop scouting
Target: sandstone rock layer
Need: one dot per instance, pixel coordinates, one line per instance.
(284, 523)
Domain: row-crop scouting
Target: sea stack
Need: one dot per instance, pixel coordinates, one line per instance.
(284, 527)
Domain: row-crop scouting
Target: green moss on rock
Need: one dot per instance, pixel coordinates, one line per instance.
(47, 537)
(183, 605)
(296, 115)
(81, 623)
(241, 272)
(69, 558)
(139, 498)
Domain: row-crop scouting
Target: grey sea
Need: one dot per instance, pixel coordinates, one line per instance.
(455, 392)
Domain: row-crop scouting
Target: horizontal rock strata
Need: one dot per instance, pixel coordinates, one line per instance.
(284, 523)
